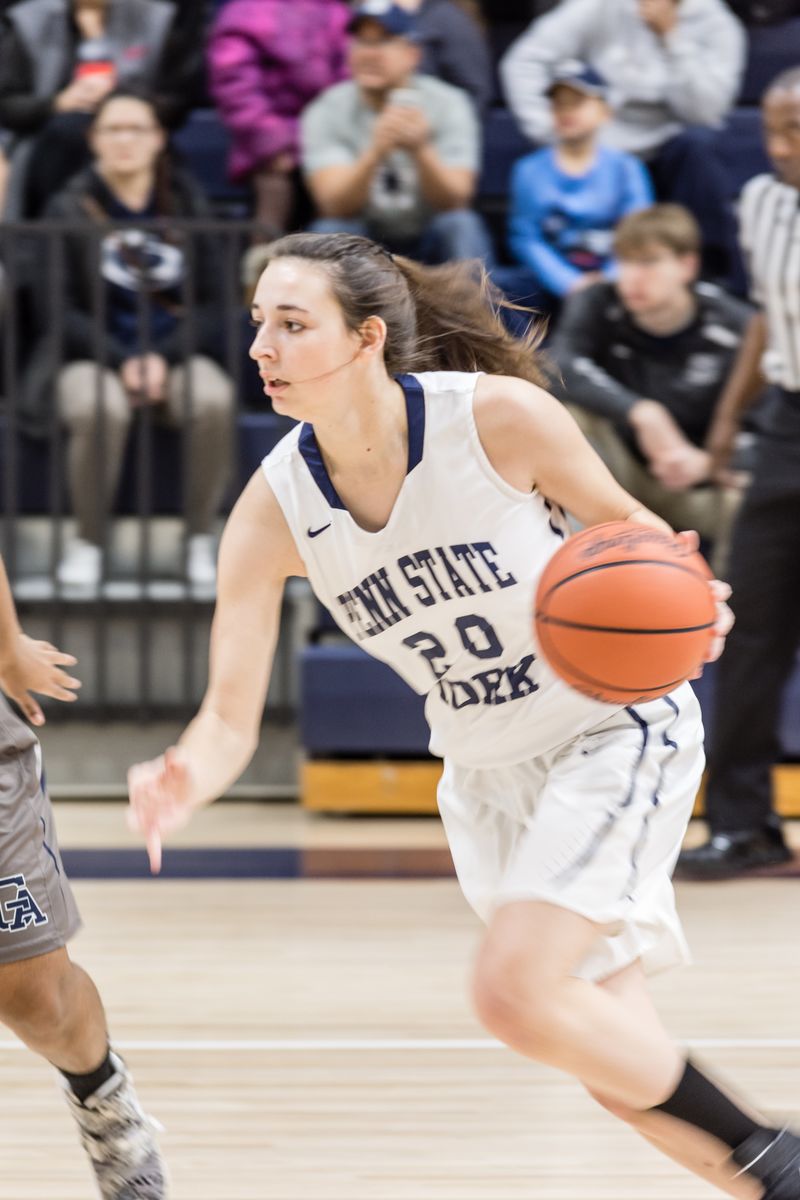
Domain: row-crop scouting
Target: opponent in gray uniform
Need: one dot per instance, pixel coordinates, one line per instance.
(401, 456)
(48, 1001)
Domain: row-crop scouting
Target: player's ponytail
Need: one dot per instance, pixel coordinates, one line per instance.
(445, 318)
(460, 325)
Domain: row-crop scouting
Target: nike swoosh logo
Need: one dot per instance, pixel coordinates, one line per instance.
(312, 533)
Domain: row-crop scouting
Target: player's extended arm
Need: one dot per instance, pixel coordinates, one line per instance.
(28, 666)
(532, 441)
(256, 557)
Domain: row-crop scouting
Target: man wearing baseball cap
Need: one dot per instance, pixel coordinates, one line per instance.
(393, 154)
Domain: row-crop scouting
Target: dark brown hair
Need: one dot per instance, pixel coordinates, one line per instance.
(668, 225)
(443, 318)
(162, 165)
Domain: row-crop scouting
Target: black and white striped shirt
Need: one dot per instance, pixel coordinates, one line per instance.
(770, 233)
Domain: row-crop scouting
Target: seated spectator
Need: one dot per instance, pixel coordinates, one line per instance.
(393, 154)
(566, 200)
(454, 47)
(644, 361)
(59, 58)
(144, 274)
(264, 68)
(674, 68)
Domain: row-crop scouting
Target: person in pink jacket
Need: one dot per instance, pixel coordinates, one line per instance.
(267, 60)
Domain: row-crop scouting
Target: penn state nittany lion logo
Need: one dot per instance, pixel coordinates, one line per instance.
(18, 909)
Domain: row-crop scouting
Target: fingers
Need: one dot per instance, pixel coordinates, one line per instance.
(30, 708)
(153, 844)
(691, 537)
(720, 589)
(157, 791)
(59, 687)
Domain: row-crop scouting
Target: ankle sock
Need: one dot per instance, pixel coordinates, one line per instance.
(699, 1102)
(84, 1086)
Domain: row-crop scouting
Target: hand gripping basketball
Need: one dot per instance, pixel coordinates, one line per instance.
(625, 612)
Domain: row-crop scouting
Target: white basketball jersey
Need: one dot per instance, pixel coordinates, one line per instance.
(444, 592)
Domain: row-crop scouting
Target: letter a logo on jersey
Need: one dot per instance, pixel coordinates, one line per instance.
(18, 909)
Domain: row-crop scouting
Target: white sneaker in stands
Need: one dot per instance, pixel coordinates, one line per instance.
(81, 565)
(201, 563)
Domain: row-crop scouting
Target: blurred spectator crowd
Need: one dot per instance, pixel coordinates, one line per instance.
(589, 152)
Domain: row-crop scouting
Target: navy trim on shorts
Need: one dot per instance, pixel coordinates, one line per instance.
(655, 801)
(599, 838)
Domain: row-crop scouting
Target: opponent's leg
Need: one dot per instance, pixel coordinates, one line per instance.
(54, 1007)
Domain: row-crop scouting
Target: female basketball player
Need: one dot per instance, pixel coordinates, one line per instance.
(423, 507)
(49, 1002)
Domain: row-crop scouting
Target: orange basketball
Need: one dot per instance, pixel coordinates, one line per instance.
(624, 612)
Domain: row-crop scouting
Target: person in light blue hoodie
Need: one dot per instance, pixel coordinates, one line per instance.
(567, 199)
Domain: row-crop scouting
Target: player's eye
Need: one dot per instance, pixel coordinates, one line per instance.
(293, 326)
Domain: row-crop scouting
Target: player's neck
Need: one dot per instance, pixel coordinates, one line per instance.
(365, 437)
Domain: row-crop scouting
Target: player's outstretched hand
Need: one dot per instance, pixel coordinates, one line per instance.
(160, 793)
(37, 667)
(721, 592)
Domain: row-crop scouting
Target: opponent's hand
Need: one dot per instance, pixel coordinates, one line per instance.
(160, 793)
(721, 592)
(33, 666)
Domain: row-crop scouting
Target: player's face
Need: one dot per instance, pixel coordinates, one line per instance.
(301, 343)
(781, 116)
(576, 115)
(126, 137)
(655, 278)
(379, 61)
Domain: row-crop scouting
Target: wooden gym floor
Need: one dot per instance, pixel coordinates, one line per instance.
(307, 1036)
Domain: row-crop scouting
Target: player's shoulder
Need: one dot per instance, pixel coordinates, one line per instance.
(284, 451)
(507, 406)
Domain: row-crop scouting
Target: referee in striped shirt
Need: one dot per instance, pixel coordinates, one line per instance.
(764, 571)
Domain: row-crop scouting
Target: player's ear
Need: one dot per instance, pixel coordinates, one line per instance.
(373, 335)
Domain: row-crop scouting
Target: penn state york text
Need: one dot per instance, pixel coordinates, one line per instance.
(428, 578)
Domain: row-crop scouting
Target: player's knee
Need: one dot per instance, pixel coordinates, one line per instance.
(512, 995)
(615, 1107)
(37, 1007)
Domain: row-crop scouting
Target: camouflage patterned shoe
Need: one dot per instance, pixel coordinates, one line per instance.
(120, 1139)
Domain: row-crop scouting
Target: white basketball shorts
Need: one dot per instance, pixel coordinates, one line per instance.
(594, 826)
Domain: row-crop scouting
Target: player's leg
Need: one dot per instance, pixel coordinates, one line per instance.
(52, 1005)
(48, 1001)
(584, 893)
(527, 995)
(699, 1152)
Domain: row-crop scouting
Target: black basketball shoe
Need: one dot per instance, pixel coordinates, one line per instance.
(774, 1158)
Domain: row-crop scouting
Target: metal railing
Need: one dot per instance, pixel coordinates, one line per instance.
(142, 632)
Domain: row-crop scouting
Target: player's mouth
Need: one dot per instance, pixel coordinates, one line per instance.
(272, 385)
